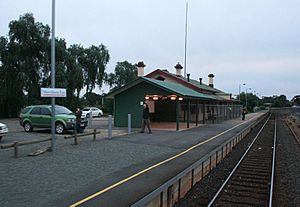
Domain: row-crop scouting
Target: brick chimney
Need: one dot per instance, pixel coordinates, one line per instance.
(178, 68)
(211, 80)
(140, 68)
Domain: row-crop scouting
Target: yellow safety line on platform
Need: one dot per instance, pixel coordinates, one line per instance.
(154, 166)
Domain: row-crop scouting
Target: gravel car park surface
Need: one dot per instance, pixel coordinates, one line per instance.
(73, 167)
(64, 161)
(42, 180)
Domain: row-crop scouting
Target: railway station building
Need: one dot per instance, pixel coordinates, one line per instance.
(173, 100)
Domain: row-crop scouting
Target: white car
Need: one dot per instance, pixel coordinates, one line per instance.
(3, 130)
(95, 112)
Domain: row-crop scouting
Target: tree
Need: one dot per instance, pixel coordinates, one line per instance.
(25, 66)
(22, 55)
(281, 101)
(252, 100)
(92, 99)
(94, 61)
(125, 72)
(74, 69)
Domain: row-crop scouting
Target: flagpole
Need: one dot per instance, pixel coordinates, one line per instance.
(185, 39)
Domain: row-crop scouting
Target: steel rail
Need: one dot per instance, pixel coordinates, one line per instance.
(237, 165)
(273, 164)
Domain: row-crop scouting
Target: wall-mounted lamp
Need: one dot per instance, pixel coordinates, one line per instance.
(173, 98)
(180, 98)
(147, 97)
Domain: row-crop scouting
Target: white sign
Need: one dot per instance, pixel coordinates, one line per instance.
(53, 92)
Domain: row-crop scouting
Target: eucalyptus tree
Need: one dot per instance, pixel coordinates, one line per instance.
(75, 69)
(22, 56)
(25, 66)
(124, 73)
(94, 61)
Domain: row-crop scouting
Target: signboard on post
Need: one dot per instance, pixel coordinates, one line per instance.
(53, 92)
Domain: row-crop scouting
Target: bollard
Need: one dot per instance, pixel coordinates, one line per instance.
(90, 119)
(16, 149)
(75, 134)
(94, 134)
(129, 123)
(109, 126)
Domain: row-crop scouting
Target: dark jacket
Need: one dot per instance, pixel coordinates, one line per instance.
(244, 112)
(145, 113)
(78, 116)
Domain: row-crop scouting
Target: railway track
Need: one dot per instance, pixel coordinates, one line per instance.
(251, 181)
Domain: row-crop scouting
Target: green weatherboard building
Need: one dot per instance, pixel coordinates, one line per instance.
(170, 98)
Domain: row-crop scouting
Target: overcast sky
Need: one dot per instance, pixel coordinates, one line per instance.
(256, 42)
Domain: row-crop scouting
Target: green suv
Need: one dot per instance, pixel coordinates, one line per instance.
(40, 116)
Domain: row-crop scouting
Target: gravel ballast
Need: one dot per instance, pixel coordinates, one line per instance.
(287, 177)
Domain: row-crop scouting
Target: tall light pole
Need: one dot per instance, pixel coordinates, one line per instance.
(240, 85)
(247, 98)
(53, 76)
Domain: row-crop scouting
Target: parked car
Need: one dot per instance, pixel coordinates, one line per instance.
(39, 116)
(3, 130)
(96, 112)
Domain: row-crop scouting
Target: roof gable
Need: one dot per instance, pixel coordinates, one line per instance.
(193, 84)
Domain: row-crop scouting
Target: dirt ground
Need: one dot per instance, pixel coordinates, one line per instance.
(294, 125)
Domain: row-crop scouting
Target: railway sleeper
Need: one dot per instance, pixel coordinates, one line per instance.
(251, 176)
(260, 155)
(246, 189)
(266, 166)
(246, 183)
(237, 201)
(262, 181)
(244, 194)
(255, 171)
(250, 188)
(258, 161)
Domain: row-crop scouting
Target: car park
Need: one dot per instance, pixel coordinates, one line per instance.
(96, 112)
(3, 130)
(39, 116)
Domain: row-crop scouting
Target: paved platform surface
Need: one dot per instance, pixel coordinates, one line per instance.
(73, 173)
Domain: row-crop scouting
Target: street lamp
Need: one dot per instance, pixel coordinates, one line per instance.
(247, 98)
(240, 85)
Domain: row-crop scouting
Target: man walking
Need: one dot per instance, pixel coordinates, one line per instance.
(78, 114)
(146, 119)
(244, 111)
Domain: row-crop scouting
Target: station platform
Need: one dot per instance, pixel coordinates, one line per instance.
(129, 182)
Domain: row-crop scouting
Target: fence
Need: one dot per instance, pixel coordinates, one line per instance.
(203, 113)
(16, 145)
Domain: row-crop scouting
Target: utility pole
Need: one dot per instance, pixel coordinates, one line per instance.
(53, 77)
